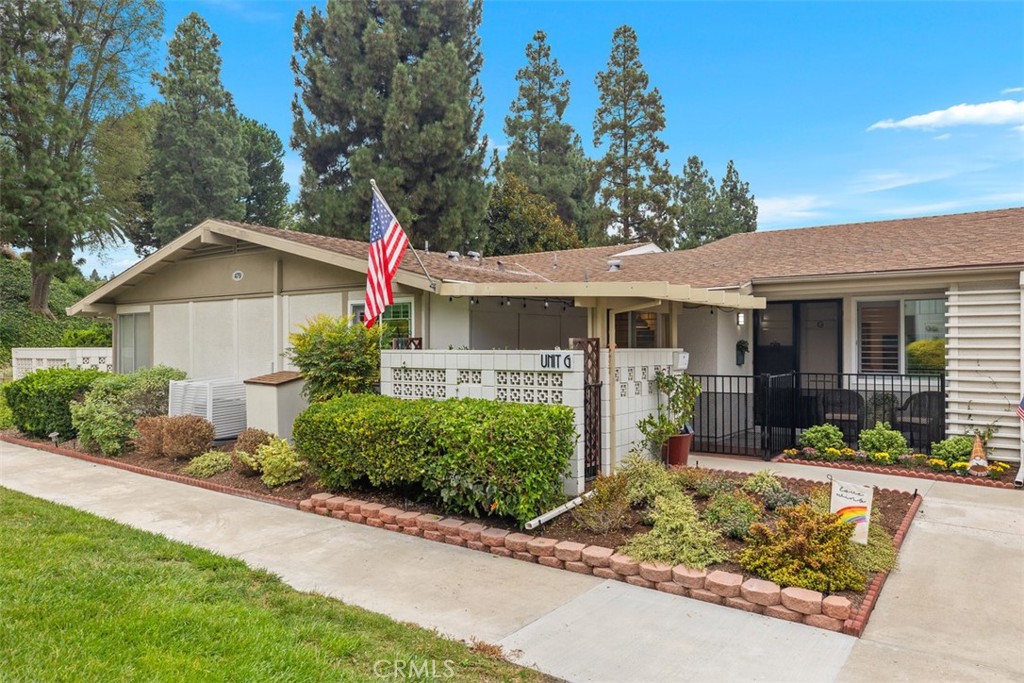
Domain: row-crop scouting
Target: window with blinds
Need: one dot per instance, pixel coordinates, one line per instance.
(879, 336)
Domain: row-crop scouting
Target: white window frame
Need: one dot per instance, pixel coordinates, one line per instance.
(901, 301)
(405, 299)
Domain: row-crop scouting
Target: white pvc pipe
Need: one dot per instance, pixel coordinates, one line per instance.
(548, 516)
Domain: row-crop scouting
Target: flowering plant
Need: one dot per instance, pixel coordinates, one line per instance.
(960, 467)
(937, 464)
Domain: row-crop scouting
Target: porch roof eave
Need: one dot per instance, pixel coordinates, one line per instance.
(587, 292)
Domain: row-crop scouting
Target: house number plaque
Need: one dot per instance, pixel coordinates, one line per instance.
(556, 361)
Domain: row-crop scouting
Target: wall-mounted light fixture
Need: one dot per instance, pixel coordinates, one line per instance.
(741, 318)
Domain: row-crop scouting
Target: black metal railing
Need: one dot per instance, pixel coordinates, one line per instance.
(763, 415)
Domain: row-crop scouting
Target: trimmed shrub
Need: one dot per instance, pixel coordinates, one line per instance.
(883, 439)
(761, 483)
(149, 435)
(679, 536)
(806, 548)
(279, 463)
(208, 464)
(821, 437)
(646, 479)
(337, 356)
(106, 418)
(953, 449)
(607, 509)
(773, 500)
(6, 418)
(40, 402)
(471, 455)
(879, 554)
(186, 436)
(251, 438)
(733, 513)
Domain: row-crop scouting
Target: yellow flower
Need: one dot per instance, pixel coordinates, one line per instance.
(832, 451)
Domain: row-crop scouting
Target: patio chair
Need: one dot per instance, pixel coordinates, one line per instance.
(920, 419)
(843, 408)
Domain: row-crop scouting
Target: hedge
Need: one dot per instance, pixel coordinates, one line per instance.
(470, 455)
(40, 401)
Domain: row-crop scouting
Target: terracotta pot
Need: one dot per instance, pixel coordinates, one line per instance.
(679, 449)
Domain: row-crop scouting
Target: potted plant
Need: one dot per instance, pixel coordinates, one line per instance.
(742, 346)
(669, 430)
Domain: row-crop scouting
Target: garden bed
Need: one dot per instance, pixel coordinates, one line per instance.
(895, 510)
(921, 470)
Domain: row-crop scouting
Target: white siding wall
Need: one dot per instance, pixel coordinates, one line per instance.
(984, 365)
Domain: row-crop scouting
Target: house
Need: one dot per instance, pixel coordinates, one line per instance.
(832, 315)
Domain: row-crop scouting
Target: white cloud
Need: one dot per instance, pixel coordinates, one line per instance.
(1007, 91)
(944, 136)
(784, 211)
(1002, 112)
(880, 181)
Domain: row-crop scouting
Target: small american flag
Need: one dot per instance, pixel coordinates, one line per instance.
(387, 244)
(1020, 409)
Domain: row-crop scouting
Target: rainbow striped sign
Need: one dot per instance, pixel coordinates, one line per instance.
(852, 502)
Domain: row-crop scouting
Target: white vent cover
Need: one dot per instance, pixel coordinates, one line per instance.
(221, 400)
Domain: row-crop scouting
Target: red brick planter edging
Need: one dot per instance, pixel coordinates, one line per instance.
(181, 479)
(833, 613)
(719, 587)
(876, 469)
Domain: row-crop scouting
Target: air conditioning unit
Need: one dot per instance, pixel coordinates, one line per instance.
(221, 400)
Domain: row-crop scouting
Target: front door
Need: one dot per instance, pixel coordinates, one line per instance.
(798, 336)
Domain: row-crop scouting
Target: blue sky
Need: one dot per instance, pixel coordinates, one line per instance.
(834, 112)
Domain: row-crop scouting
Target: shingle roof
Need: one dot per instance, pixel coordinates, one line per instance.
(983, 238)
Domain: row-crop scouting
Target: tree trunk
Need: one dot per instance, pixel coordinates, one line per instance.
(40, 301)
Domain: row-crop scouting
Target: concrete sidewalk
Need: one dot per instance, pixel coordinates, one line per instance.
(968, 550)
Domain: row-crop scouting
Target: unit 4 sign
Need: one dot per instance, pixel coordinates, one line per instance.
(556, 361)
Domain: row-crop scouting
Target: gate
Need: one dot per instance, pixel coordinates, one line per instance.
(591, 348)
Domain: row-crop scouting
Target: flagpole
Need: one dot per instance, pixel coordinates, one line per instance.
(433, 285)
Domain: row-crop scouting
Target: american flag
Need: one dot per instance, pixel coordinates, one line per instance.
(1020, 409)
(387, 244)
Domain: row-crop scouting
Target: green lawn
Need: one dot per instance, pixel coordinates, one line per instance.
(86, 599)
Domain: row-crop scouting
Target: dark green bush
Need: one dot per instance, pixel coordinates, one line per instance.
(40, 402)
(953, 449)
(882, 438)
(471, 455)
(106, 418)
(97, 335)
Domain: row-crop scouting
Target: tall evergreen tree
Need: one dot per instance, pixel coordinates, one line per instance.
(696, 205)
(635, 184)
(63, 67)
(390, 90)
(544, 151)
(736, 209)
(266, 200)
(122, 160)
(198, 163)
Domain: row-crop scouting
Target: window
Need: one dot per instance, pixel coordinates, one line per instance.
(636, 330)
(398, 316)
(907, 335)
(134, 342)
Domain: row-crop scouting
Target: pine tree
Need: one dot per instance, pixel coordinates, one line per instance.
(63, 67)
(736, 209)
(198, 164)
(696, 205)
(266, 200)
(390, 91)
(519, 221)
(545, 152)
(635, 184)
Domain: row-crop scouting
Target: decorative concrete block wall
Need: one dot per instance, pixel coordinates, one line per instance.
(636, 396)
(26, 360)
(540, 377)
